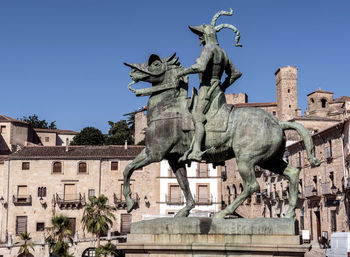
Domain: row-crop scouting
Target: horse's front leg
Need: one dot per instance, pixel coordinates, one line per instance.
(181, 176)
(141, 160)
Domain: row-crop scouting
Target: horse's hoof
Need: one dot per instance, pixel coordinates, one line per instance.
(130, 204)
(219, 216)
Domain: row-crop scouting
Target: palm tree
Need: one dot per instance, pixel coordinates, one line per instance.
(60, 236)
(97, 216)
(24, 248)
(106, 250)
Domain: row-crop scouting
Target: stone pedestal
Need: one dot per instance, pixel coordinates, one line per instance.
(202, 237)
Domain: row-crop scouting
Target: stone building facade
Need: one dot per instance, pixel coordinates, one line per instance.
(39, 182)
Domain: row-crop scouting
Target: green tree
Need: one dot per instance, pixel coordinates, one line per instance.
(60, 236)
(118, 133)
(107, 250)
(89, 136)
(35, 122)
(97, 216)
(24, 247)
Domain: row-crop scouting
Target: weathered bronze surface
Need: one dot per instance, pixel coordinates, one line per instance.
(177, 123)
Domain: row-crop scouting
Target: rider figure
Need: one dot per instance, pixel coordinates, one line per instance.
(210, 66)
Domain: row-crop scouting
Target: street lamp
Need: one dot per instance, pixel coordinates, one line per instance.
(338, 195)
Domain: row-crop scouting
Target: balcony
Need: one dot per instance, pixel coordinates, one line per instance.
(69, 201)
(120, 202)
(21, 200)
(204, 200)
(174, 200)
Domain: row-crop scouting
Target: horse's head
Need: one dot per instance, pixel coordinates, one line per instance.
(160, 72)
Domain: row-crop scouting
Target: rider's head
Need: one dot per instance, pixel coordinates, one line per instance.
(207, 33)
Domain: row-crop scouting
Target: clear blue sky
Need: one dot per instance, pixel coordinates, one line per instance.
(63, 59)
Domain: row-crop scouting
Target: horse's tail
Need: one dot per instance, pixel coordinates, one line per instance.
(305, 136)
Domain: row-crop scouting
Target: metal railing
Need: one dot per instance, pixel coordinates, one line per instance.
(22, 199)
(174, 201)
(69, 200)
(204, 200)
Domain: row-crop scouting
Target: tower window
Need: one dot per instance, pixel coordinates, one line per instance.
(290, 106)
(312, 100)
(288, 90)
(324, 103)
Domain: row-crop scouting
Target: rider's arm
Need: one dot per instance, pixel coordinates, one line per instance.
(232, 75)
(200, 65)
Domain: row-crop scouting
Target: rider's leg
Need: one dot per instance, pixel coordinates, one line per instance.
(199, 119)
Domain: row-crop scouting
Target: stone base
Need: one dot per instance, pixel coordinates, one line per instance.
(185, 237)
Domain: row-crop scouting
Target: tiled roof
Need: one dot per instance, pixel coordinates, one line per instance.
(342, 99)
(58, 131)
(320, 91)
(254, 104)
(77, 152)
(4, 118)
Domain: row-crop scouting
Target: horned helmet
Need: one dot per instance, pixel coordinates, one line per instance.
(207, 33)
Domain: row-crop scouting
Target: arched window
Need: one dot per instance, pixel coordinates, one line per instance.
(57, 167)
(89, 252)
(324, 103)
(82, 167)
(234, 191)
(312, 100)
(240, 188)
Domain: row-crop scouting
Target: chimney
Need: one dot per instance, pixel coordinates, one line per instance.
(67, 144)
(126, 144)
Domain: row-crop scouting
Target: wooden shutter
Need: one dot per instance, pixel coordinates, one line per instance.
(82, 167)
(69, 192)
(203, 194)
(22, 191)
(21, 224)
(57, 167)
(114, 165)
(175, 194)
(202, 170)
(125, 223)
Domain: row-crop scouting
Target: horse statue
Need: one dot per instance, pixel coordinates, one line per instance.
(251, 135)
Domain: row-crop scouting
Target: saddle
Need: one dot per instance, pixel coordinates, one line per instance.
(217, 115)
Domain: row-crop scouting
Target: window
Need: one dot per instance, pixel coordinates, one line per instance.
(114, 166)
(175, 195)
(202, 170)
(82, 167)
(22, 191)
(57, 167)
(312, 100)
(203, 193)
(91, 193)
(47, 139)
(2, 129)
(324, 103)
(125, 223)
(274, 113)
(41, 191)
(333, 221)
(288, 90)
(70, 192)
(40, 226)
(21, 224)
(25, 166)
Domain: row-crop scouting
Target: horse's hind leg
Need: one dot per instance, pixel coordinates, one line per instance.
(140, 160)
(181, 176)
(250, 185)
(292, 174)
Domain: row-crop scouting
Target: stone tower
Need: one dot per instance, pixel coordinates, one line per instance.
(287, 93)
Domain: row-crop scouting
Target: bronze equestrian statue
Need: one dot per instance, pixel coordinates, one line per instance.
(251, 135)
